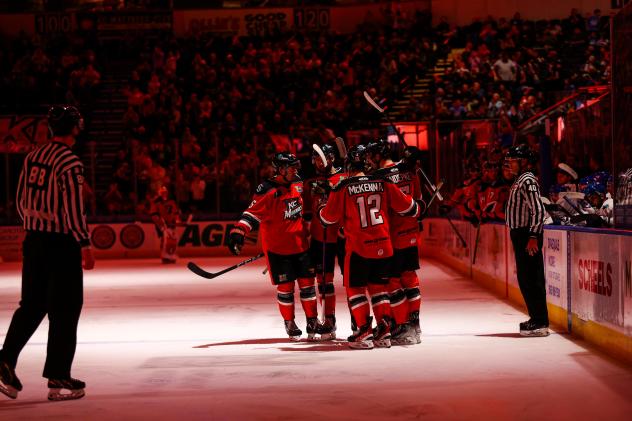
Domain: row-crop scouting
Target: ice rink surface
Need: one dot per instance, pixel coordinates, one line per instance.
(158, 343)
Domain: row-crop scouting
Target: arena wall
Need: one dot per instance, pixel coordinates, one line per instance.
(588, 275)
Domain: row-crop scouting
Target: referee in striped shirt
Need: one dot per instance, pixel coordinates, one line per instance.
(56, 246)
(525, 216)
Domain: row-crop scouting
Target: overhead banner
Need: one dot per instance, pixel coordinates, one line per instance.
(242, 22)
(19, 134)
(555, 259)
(596, 280)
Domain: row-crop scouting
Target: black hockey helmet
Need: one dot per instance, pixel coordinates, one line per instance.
(411, 156)
(63, 118)
(284, 160)
(327, 150)
(379, 146)
(356, 157)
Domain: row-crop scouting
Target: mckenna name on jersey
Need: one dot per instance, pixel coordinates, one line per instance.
(369, 187)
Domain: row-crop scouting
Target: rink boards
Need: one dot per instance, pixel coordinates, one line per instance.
(588, 275)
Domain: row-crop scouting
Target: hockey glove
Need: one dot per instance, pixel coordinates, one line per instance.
(235, 241)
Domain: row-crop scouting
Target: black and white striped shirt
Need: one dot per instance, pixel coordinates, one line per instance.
(49, 195)
(524, 207)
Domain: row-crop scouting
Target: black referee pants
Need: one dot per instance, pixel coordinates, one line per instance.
(52, 284)
(531, 275)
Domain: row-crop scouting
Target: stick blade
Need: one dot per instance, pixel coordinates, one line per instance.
(342, 148)
(372, 102)
(199, 271)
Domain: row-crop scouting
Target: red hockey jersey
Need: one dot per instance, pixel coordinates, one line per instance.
(404, 229)
(311, 200)
(277, 211)
(361, 205)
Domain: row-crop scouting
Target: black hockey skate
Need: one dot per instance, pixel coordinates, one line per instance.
(363, 339)
(413, 321)
(65, 389)
(292, 330)
(328, 329)
(9, 383)
(403, 334)
(314, 327)
(382, 334)
(532, 328)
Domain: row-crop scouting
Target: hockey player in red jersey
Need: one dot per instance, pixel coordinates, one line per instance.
(277, 211)
(166, 216)
(361, 204)
(403, 285)
(493, 194)
(465, 196)
(316, 191)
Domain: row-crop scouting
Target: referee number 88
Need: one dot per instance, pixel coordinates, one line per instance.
(37, 176)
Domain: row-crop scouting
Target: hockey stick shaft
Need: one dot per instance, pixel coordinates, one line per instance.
(209, 275)
(478, 232)
(324, 274)
(456, 231)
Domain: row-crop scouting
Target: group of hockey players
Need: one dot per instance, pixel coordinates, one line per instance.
(366, 214)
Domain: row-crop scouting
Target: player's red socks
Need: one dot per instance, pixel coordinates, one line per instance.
(399, 305)
(380, 302)
(285, 297)
(308, 297)
(327, 289)
(410, 282)
(358, 304)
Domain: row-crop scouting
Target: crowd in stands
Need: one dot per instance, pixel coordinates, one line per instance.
(510, 67)
(223, 105)
(36, 71)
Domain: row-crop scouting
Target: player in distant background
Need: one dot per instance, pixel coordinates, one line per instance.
(361, 205)
(404, 292)
(166, 216)
(277, 210)
(316, 191)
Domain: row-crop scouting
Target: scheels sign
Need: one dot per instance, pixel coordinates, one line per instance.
(595, 276)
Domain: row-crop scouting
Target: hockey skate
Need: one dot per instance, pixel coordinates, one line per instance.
(328, 329)
(65, 389)
(363, 339)
(9, 383)
(382, 334)
(413, 321)
(292, 330)
(532, 328)
(314, 327)
(403, 334)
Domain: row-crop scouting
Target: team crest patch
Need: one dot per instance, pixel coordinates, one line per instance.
(413, 240)
(293, 208)
(299, 189)
(380, 252)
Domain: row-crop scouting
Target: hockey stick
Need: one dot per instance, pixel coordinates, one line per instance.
(456, 231)
(478, 232)
(381, 110)
(324, 274)
(342, 148)
(209, 275)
